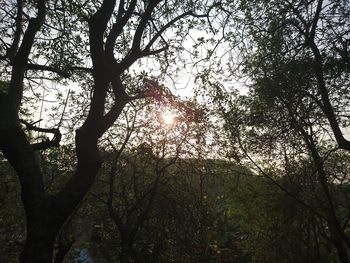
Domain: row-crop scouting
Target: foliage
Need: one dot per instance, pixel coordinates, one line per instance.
(289, 124)
(97, 77)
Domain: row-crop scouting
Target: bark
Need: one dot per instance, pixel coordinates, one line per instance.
(64, 245)
(341, 249)
(39, 246)
(124, 256)
(125, 253)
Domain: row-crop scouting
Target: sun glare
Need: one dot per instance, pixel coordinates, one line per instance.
(168, 118)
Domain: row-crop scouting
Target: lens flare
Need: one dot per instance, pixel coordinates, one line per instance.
(168, 118)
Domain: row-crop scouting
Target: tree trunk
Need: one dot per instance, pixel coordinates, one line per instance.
(125, 252)
(64, 245)
(38, 247)
(342, 251)
(124, 256)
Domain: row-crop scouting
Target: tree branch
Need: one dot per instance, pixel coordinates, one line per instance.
(327, 106)
(62, 73)
(66, 73)
(17, 35)
(136, 44)
(169, 24)
(280, 186)
(21, 58)
(315, 20)
(54, 142)
(97, 27)
(118, 26)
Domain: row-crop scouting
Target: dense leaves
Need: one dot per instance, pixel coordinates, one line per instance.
(252, 167)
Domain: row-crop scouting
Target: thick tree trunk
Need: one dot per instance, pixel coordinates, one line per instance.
(125, 249)
(45, 218)
(124, 255)
(65, 243)
(62, 252)
(46, 214)
(37, 251)
(39, 246)
(338, 242)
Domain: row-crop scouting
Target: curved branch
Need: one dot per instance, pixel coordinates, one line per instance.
(169, 24)
(136, 44)
(54, 142)
(21, 58)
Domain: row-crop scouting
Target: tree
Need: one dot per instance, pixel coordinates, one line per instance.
(117, 37)
(136, 176)
(295, 58)
(156, 196)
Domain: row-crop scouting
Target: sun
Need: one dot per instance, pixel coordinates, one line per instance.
(168, 118)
